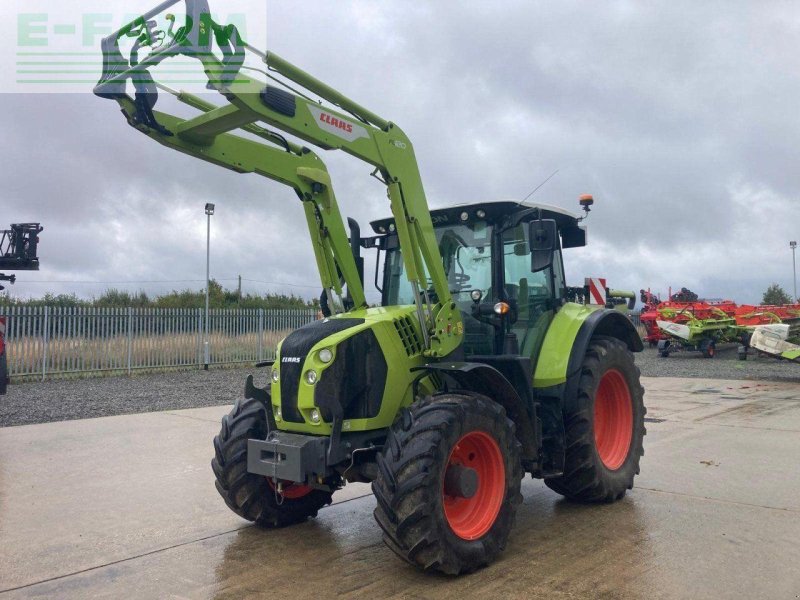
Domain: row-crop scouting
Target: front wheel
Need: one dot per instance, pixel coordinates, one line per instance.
(252, 496)
(448, 483)
(604, 426)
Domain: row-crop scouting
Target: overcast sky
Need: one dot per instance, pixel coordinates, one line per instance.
(680, 117)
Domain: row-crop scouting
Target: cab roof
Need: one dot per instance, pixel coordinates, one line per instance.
(495, 212)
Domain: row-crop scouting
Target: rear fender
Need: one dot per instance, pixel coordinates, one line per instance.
(605, 323)
(568, 337)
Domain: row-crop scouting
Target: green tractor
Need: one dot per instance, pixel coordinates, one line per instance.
(477, 367)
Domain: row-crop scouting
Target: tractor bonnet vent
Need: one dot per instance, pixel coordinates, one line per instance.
(408, 335)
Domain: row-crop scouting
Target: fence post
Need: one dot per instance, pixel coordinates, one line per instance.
(199, 337)
(44, 342)
(130, 338)
(260, 334)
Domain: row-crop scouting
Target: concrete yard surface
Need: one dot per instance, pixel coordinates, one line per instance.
(125, 507)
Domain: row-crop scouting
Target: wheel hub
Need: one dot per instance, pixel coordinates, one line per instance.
(290, 490)
(460, 481)
(474, 485)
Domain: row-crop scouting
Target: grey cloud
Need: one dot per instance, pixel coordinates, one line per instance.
(678, 117)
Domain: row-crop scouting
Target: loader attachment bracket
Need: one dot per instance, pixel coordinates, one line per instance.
(193, 39)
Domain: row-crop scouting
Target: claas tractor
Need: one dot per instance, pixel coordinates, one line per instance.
(475, 368)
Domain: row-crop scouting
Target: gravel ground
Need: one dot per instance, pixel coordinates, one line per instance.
(42, 402)
(725, 365)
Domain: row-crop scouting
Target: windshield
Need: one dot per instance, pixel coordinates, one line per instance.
(467, 258)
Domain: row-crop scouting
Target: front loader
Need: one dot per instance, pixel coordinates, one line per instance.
(474, 370)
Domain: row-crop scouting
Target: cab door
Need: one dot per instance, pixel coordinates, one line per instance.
(536, 294)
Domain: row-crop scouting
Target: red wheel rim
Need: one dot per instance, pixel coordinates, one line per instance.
(471, 518)
(292, 491)
(613, 419)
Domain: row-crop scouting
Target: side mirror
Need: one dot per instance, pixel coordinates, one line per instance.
(542, 237)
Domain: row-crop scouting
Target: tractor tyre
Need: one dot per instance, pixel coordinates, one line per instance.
(252, 496)
(604, 426)
(448, 483)
(709, 349)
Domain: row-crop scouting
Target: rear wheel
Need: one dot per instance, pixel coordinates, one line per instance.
(604, 426)
(252, 496)
(448, 483)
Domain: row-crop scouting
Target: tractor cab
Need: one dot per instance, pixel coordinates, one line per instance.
(505, 272)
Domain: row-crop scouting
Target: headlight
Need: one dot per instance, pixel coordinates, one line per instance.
(325, 355)
(275, 375)
(311, 377)
(315, 417)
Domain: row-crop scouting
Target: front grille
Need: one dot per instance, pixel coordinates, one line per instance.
(297, 345)
(356, 379)
(408, 335)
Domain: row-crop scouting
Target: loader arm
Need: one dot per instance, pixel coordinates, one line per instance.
(299, 168)
(353, 129)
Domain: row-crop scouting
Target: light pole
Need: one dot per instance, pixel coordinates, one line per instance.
(209, 212)
(793, 245)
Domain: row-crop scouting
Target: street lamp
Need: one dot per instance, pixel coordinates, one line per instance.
(209, 212)
(793, 245)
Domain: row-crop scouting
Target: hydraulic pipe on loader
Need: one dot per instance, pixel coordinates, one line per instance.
(359, 132)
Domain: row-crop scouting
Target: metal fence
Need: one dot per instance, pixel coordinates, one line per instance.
(49, 341)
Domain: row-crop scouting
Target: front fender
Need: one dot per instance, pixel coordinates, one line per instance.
(488, 381)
